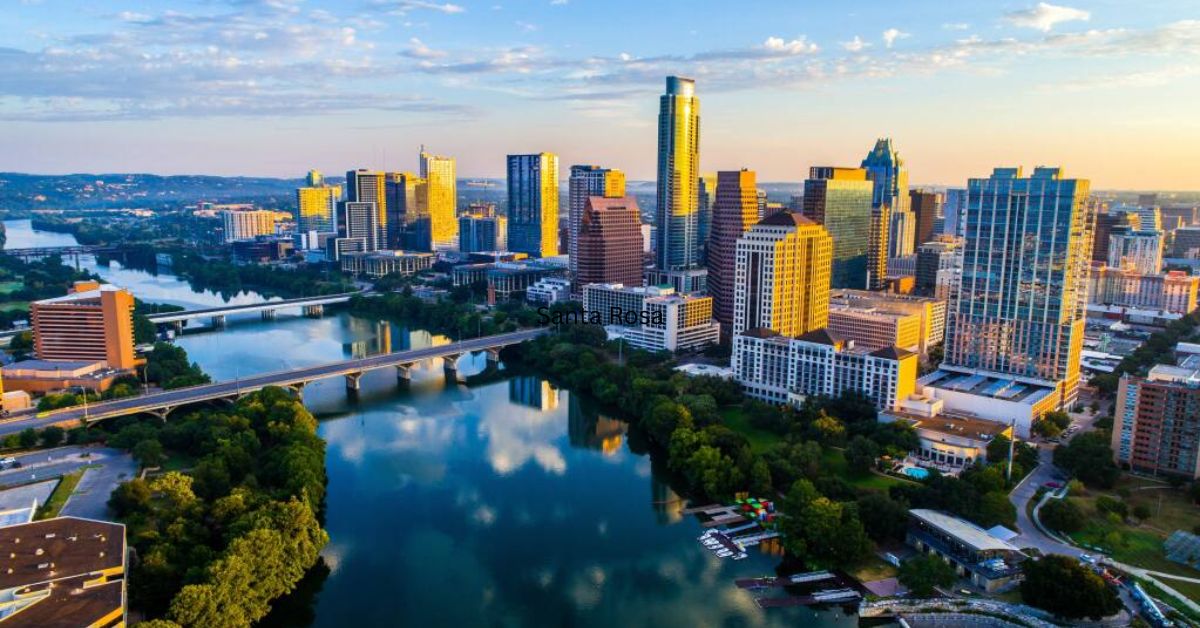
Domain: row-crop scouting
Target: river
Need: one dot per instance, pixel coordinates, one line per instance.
(509, 504)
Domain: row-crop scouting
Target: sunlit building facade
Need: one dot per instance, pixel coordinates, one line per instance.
(370, 186)
(781, 276)
(610, 242)
(441, 199)
(678, 176)
(735, 210)
(533, 204)
(585, 182)
(840, 200)
(316, 207)
(1156, 426)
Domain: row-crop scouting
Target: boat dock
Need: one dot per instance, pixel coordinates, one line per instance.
(800, 578)
(826, 596)
(723, 520)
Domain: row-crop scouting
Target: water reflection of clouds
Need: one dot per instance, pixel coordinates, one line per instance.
(518, 435)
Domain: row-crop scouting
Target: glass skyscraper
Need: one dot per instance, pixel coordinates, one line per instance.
(1019, 311)
(440, 198)
(840, 200)
(533, 204)
(678, 219)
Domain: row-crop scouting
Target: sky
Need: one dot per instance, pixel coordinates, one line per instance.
(1108, 90)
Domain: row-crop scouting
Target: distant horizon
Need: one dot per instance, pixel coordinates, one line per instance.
(912, 186)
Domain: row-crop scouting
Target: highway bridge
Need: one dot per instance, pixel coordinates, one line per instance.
(161, 404)
(311, 306)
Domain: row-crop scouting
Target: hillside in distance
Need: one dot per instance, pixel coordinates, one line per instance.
(26, 192)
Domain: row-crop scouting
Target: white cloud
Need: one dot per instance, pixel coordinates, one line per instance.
(793, 47)
(418, 50)
(891, 35)
(956, 26)
(402, 7)
(855, 45)
(1045, 16)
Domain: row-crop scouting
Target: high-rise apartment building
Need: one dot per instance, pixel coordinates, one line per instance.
(707, 192)
(1126, 288)
(1104, 223)
(408, 226)
(678, 220)
(245, 224)
(358, 221)
(610, 242)
(1156, 424)
(901, 234)
(1137, 249)
(441, 199)
(938, 264)
(1017, 318)
(369, 186)
(1186, 243)
(926, 206)
(93, 323)
(840, 200)
(316, 209)
(533, 204)
(781, 276)
(952, 210)
(584, 183)
(735, 211)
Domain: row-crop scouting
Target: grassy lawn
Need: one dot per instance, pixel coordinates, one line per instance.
(9, 286)
(1141, 544)
(59, 497)
(834, 460)
(14, 305)
(735, 419)
(1190, 589)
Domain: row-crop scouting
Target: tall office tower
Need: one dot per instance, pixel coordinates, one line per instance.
(926, 205)
(533, 204)
(1104, 224)
(359, 220)
(244, 224)
(877, 250)
(889, 176)
(902, 234)
(93, 323)
(781, 276)
(408, 222)
(707, 195)
(952, 210)
(1156, 425)
(368, 186)
(314, 179)
(441, 199)
(678, 176)
(735, 211)
(584, 183)
(1141, 250)
(610, 242)
(1019, 311)
(480, 232)
(1187, 243)
(316, 209)
(840, 200)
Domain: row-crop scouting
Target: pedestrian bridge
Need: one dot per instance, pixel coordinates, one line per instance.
(163, 403)
(311, 306)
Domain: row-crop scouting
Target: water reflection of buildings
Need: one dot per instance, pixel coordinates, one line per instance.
(374, 338)
(588, 429)
(668, 505)
(534, 392)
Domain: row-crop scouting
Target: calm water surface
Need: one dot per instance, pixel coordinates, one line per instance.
(507, 504)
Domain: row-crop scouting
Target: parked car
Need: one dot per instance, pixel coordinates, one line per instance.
(1053, 485)
(8, 462)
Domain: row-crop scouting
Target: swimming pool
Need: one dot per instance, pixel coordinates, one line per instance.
(916, 473)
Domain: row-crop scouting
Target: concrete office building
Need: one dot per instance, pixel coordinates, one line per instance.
(243, 224)
(659, 319)
(1187, 243)
(533, 204)
(585, 182)
(939, 263)
(931, 311)
(781, 276)
(370, 186)
(1174, 292)
(358, 220)
(93, 323)
(480, 232)
(1137, 249)
(734, 212)
(840, 200)
(926, 206)
(380, 263)
(609, 242)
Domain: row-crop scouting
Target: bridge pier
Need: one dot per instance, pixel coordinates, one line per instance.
(268, 315)
(178, 328)
(493, 356)
(298, 390)
(353, 383)
(404, 373)
(450, 366)
(218, 321)
(313, 311)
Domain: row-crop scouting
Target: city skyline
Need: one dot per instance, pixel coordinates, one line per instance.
(295, 85)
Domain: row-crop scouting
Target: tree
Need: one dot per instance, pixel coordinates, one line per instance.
(924, 573)
(828, 430)
(53, 435)
(1061, 585)
(149, 453)
(995, 508)
(884, 518)
(1062, 515)
(1089, 457)
(28, 438)
(861, 454)
(130, 497)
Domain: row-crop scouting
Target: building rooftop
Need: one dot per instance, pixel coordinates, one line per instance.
(1174, 374)
(85, 295)
(957, 424)
(786, 219)
(987, 385)
(966, 532)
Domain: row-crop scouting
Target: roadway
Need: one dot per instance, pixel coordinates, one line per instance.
(171, 317)
(170, 399)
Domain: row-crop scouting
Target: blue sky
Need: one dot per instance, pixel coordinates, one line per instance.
(1108, 90)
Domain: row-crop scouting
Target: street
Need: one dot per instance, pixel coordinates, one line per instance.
(90, 499)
